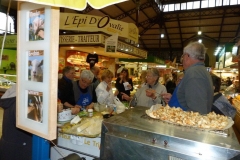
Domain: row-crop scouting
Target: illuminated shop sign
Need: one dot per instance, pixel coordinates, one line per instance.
(90, 23)
(80, 39)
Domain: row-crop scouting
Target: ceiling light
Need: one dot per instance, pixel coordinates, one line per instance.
(199, 32)
(162, 35)
(64, 32)
(71, 47)
(200, 40)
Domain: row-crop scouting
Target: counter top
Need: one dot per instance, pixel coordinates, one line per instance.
(137, 120)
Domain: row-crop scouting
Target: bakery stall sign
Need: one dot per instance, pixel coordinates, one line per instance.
(90, 23)
(100, 39)
(80, 39)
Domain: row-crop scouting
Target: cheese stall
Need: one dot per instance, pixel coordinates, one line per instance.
(84, 137)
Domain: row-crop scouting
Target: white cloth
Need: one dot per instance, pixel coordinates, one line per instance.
(119, 70)
(11, 92)
(104, 96)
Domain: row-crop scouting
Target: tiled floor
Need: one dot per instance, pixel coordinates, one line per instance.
(1, 116)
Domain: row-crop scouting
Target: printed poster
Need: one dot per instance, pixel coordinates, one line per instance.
(111, 43)
(36, 24)
(35, 65)
(35, 106)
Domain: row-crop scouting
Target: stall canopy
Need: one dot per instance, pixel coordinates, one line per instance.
(76, 4)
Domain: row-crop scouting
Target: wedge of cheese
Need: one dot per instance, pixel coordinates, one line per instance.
(84, 126)
(75, 120)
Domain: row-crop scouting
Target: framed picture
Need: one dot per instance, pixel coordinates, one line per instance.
(5, 57)
(36, 24)
(35, 65)
(37, 75)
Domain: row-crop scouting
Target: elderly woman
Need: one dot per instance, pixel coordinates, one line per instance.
(148, 95)
(104, 89)
(83, 94)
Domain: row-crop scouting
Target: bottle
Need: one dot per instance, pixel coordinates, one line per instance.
(90, 112)
(59, 106)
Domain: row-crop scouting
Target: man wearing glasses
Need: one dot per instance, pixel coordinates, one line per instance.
(195, 91)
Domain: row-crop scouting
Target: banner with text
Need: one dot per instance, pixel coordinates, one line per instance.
(90, 23)
(10, 41)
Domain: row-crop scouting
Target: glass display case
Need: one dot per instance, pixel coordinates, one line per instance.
(6, 81)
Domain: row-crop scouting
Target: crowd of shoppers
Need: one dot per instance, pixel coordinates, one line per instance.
(191, 90)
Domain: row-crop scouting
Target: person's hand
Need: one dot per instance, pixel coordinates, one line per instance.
(109, 86)
(75, 110)
(129, 86)
(151, 93)
(116, 93)
(125, 96)
(78, 106)
(90, 106)
(166, 97)
(121, 79)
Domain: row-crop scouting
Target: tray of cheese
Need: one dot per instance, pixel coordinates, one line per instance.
(87, 127)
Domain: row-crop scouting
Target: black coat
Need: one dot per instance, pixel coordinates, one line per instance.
(15, 144)
(120, 87)
(65, 91)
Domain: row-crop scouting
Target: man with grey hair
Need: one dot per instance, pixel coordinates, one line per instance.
(83, 90)
(195, 91)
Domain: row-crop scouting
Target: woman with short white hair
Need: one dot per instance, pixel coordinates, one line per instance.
(149, 94)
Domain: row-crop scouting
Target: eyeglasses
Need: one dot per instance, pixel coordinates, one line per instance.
(149, 76)
(86, 82)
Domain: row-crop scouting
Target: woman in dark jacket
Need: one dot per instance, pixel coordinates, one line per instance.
(15, 144)
(123, 84)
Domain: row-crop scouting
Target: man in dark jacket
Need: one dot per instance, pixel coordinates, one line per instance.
(15, 144)
(65, 88)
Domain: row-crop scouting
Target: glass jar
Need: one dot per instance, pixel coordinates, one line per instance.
(90, 112)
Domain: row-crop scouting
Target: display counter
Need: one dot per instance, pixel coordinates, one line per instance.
(85, 143)
(236, 125)
(134, 135)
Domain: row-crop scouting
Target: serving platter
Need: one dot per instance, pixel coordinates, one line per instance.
(210, 122)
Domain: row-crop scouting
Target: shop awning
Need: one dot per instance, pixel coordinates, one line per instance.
(76, 4)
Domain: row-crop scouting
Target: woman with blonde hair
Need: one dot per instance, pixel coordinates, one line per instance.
(104, 90)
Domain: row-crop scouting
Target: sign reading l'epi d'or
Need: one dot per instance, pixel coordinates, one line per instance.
(90, 23)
